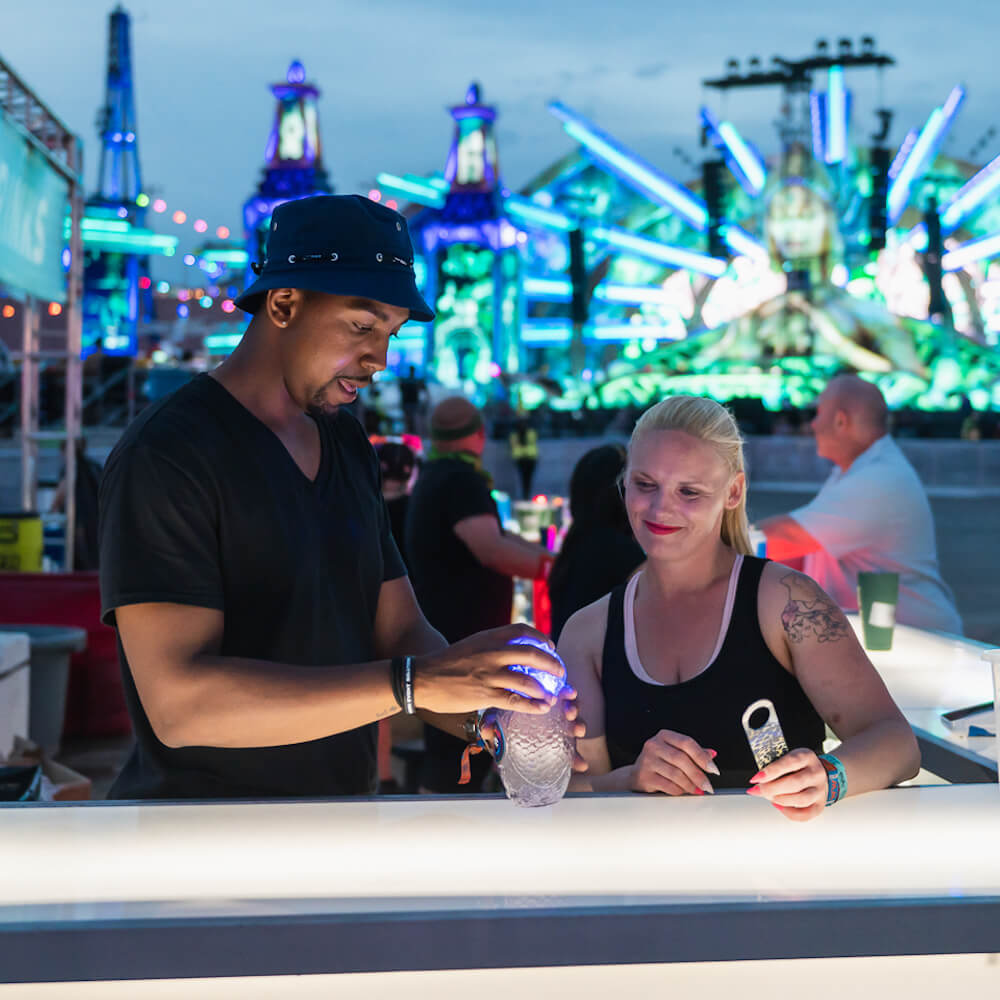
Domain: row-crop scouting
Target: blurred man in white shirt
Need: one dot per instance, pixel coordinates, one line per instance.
(871, 514)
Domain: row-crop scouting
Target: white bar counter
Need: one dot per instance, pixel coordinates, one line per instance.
(607, 896)
(105, 892)
(928, 673)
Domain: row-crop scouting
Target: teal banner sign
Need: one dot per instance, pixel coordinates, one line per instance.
(33, 203)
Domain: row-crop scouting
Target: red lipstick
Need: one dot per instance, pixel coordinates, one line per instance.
(660, 529)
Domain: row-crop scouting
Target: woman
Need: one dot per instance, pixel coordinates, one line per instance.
(598, 552)
(667, 664)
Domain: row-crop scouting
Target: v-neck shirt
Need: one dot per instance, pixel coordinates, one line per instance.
(202, 504)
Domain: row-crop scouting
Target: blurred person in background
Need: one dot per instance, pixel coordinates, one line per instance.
(413, 396)
(462, 562)
(598, 552)
(86, 544)
(397, 461)
(524, 451)
(871, 515)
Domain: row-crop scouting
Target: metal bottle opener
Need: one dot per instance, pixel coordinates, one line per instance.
(767, 741)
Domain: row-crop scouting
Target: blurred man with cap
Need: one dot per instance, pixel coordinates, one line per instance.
(461, 560)
(264, 617)
(871, 515)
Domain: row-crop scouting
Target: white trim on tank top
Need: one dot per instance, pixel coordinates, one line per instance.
(632, 646)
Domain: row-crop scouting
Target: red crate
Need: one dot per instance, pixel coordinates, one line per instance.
(95, 701)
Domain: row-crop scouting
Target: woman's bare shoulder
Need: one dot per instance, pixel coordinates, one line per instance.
(584, 621)
(581, 641)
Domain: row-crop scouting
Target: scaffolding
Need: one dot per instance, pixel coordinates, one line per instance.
(63, 152)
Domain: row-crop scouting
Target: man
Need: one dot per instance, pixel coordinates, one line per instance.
(524, 450)
(246, 559)
(871, 515)
(461, 560)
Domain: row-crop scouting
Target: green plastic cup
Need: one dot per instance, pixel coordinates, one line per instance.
(878, 594)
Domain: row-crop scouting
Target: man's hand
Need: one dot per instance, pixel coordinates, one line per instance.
(796, 784)
(787, 539)
(474, 674)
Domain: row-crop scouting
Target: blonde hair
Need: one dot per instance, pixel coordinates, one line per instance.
(706, 420)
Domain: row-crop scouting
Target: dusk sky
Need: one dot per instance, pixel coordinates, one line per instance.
(388, 69)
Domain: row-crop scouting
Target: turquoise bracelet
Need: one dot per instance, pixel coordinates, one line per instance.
(836, 778)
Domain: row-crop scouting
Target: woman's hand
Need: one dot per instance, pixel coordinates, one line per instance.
(796, 784)
(673, 764)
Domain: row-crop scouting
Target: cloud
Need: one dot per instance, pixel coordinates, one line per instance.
(652, 71)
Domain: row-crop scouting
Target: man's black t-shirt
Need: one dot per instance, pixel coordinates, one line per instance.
(202, 504)
(457, 593)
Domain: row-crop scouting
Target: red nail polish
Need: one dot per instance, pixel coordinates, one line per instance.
(753, 791)
(759, 776)
(713, 754)
(699, 791)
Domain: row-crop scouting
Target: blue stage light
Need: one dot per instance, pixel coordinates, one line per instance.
(661, 252)
(969, 253)
(922, 154)
(836, 107)
(631, 168)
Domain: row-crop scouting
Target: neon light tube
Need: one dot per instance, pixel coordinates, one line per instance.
(218, 256)
(817, 116)
(750, 163)
(836, 148)
(632, 331)
(542, 333)
(740, 241)
(631, 168)
(743, 161)
(632, 294)
(420, 192)
(438, 183)
(902, 153)
(131, 242)
(530, 212)
(557, 289)
(652, 250)
(969, 253)
(923, 153)
(222, 341)
(971, 195)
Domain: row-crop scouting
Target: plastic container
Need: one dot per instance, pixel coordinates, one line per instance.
(537, 759)
(21, 542)
(51, 648)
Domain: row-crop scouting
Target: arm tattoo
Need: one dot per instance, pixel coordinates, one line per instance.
(809, 612)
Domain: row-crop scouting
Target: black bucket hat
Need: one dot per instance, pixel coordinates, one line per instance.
(342, 245)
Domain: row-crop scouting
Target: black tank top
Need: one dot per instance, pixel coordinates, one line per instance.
(709, 707)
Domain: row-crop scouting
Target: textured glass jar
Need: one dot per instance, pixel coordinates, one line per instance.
(537, 761)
